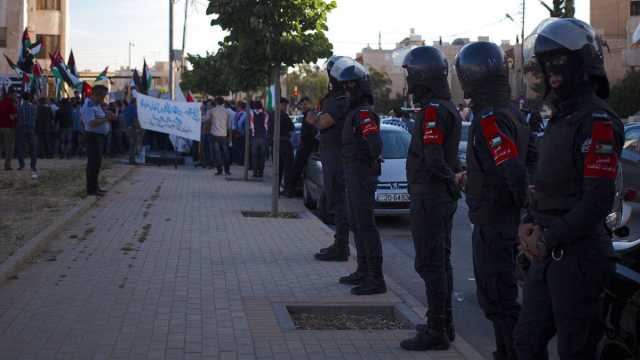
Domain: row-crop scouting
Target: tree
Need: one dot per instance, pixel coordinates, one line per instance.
(561, 8)
(310, 81)
(381, 89)
(625, 96)
(265, 35)
(206, 76)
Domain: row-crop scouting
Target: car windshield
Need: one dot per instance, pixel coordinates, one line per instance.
(396, 143)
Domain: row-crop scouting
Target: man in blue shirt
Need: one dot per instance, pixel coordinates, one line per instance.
(96, 124)
(134, 130)
(25, 132)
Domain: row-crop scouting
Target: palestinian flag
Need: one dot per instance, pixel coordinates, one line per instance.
(137, 81)
(14, 67)
(35, 78)
(71, 64)
(57, 62)
(87, 90)
(147, 79)
(271, 98)
(58, 81)
(28, 52)
(103, 75)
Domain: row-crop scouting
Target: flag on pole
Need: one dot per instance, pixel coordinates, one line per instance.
(58, 81)
(103, 75)
(137, 81)
(271, 98)
(65, 73)
(71, 64)
(147, 79)
(36, 79)
(14, 67)
(87, 90)
(28, 52)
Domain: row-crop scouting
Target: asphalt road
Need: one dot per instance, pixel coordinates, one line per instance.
(470, 322)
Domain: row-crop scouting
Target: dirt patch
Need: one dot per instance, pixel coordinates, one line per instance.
(28, 205)
(346, 322)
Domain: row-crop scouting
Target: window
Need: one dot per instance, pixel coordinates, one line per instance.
(635, 8)
(3, 37)
(50, 43)
(48, 5)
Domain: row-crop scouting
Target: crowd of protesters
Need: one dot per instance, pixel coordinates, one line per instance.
(44, 128)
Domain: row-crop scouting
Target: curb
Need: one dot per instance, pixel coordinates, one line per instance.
(12, 265)
(463, 347)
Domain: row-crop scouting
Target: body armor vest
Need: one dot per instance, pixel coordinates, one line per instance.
(354, 146)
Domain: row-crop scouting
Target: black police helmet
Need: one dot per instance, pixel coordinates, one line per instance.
(478, 62)
(572, 37)
(427, 68)
(347, 69)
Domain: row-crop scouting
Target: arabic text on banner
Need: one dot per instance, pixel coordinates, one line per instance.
(169, 117)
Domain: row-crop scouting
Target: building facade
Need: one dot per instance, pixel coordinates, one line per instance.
(615, 21)
(47, 21)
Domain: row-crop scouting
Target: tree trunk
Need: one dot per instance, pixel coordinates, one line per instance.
(275, 190)
(247, 139)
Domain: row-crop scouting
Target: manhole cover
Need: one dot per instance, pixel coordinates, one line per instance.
(269, 214)
(345, 317)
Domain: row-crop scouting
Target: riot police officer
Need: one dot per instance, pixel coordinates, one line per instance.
(496, 185)
(330, 121)
(361, 150)
(574, 187)
(433, 173)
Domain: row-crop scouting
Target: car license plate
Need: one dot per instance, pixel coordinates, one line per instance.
(392, 197)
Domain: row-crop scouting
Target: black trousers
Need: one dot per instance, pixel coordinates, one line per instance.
(564, 298)
(286, 160)
(335, 192)
(26, 140)
(494, 261)
(431, 225)
(300, 161)
(95, 146)
(259, 151)
(361, 189)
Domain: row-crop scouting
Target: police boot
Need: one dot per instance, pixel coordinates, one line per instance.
(334, 253)
(451, 328)
(357, 277)
(432, 337)
(374, 281)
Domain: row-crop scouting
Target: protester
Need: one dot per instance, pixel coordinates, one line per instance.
(65, 123)
(134, 130)
(96, 123)
(259, 126)
(77, 129)
(308, 144)
(44, 122)
(8, 116)
(238, 134)
(25, 132)
(207, 139)
(220, 131)
(286, 148)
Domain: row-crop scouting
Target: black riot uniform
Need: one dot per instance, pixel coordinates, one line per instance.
(336, 104)
(432, 163)
(361, 150)
(496, 186)
(574, 190)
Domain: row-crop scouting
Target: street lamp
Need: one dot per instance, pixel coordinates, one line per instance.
(130, 46)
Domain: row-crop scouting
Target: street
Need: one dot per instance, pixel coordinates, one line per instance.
(470, 322)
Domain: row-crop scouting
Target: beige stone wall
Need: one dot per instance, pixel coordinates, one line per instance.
(610, 17)
(13, 19)
(51, 22)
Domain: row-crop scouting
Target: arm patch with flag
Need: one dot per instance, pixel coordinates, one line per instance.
(601, 159)
(431, 133)
(367, 124)
(502, 148)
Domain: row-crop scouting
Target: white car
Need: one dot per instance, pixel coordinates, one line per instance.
(392, 196)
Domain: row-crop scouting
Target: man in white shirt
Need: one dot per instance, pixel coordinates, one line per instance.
(220, 119)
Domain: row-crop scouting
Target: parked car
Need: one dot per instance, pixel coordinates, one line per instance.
(392, 196)
(631, 157)
(622, 306)
(462, 147)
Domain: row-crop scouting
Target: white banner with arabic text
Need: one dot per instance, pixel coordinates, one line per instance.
(169, 117)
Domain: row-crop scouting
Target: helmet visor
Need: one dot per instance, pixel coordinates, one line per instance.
(555, 34)
(347, 69)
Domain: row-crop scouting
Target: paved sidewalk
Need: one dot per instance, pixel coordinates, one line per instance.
(166, 267)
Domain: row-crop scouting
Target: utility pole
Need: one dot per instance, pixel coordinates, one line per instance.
(130, 46)
(184, 32)
(523, 82)
(171, 80)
